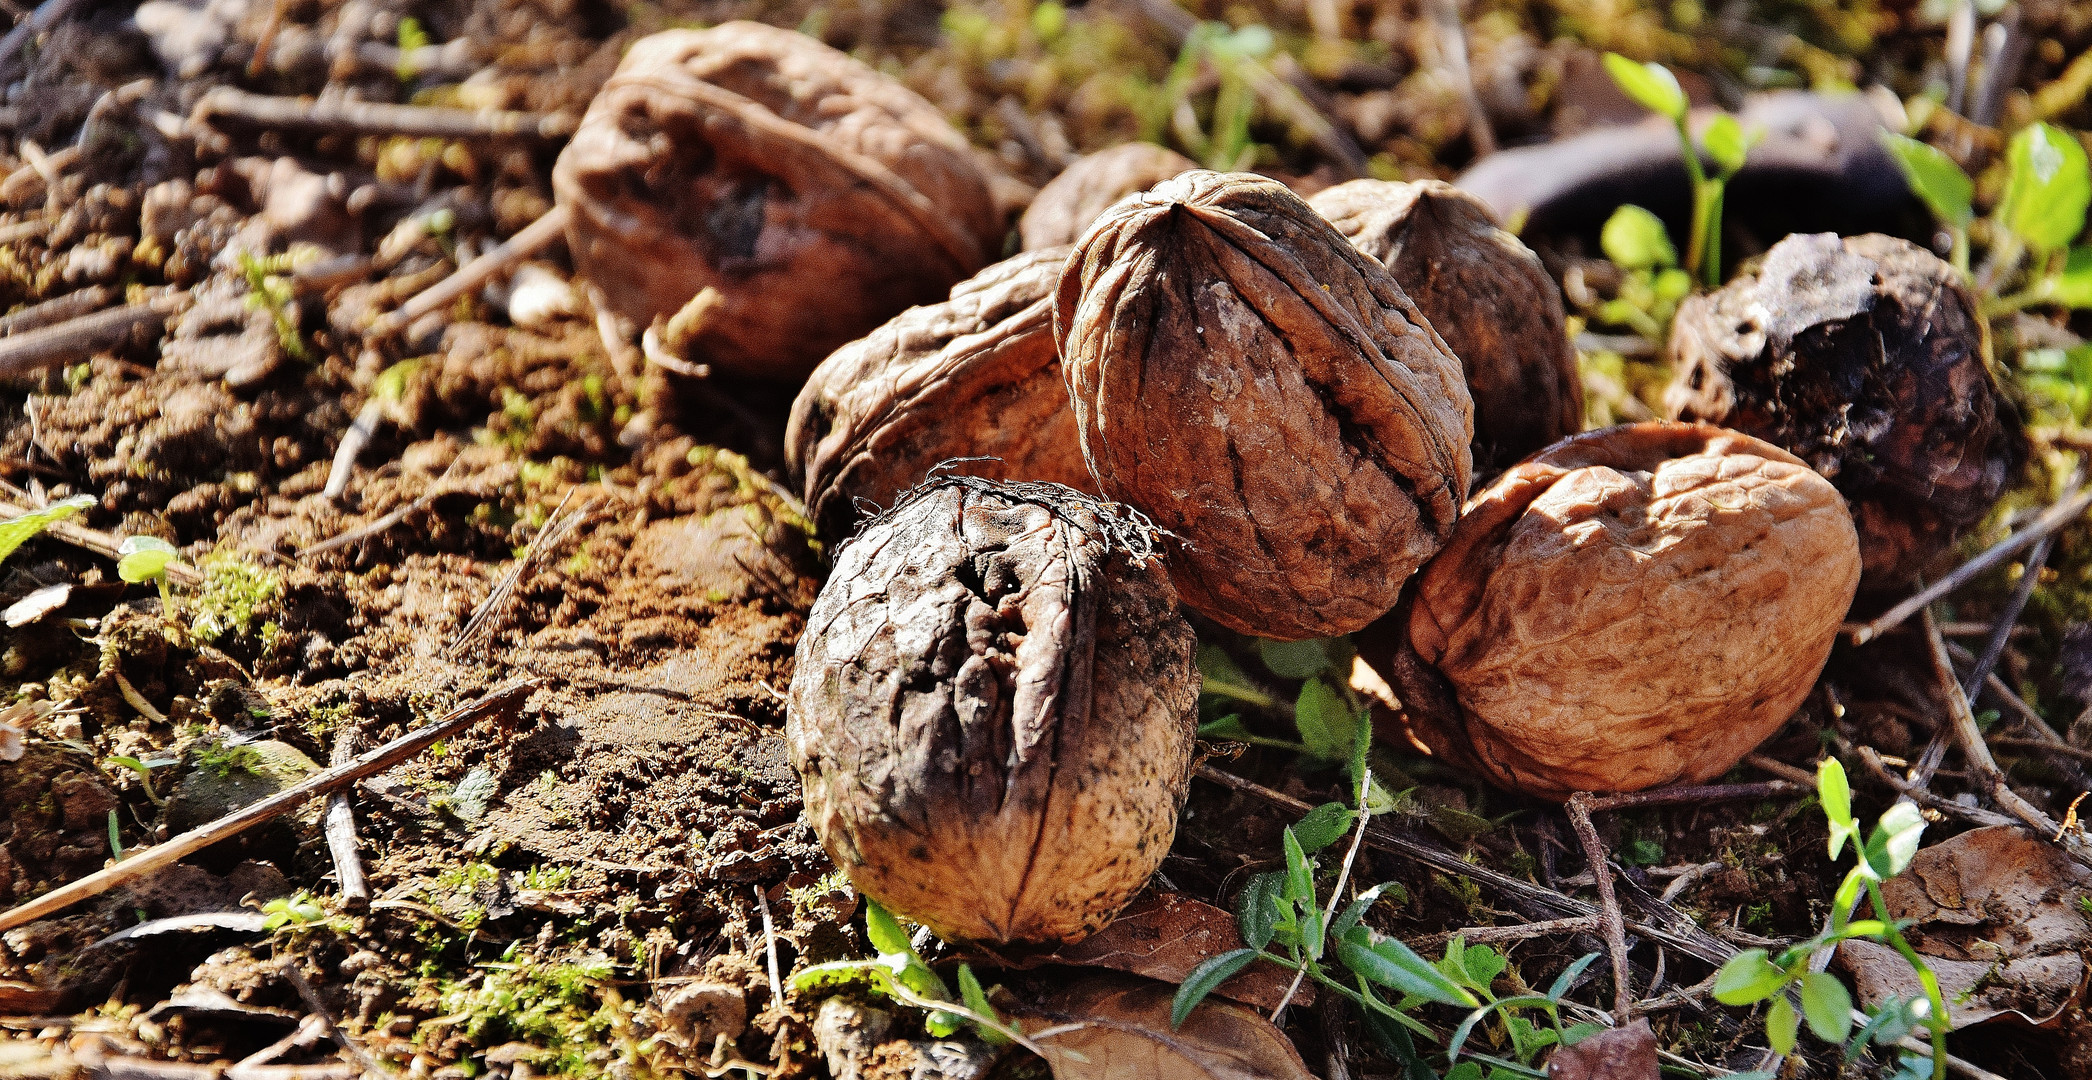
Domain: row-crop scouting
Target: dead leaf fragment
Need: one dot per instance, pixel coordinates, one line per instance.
(1625, 1053)
(11, 743)
(1115, 1027)
(1994, 911)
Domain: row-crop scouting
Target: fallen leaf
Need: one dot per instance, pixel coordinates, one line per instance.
(1624, 1053)
(36, 605)
(11, 744)
(1994, 912)
(1115, 1027)
(1164, 935)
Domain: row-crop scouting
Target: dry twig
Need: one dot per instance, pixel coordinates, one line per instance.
(340, 829)
(146, 861)
(2055, 517)
(76, 339)
(94, 540)
(375, 118)
(533, 238)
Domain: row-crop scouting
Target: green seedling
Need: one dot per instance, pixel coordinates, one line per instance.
(144, 769)
(1754, 975)
(1724, 142)
(2047, 189)
(1651, 284)
(899, 973)
(146, 558)
(269, 289)
(16, 531)
(295, 912)
(412, 38)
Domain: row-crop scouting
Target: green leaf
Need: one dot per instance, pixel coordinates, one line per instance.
(1726, 143)
(1295, 659)
(1827, 1005)
(1568, 976)
(1934, 178)
(1634, 239)
(1467, 1026)
(143, 558)
(1895, 840)
(1328, 725)
(1748, 977)
(1323, 826)
(1257, 909)
(16, 531)
(884, 931)
(1300, 874)
(1390, 963)
(1835, 792)
(1203, 979)
(1483, 964)
(2047, 189)
(971, 996)
(1227, 727)
(1782, 1025)
(2073, 287)
(1357, 909)
(1652, 85)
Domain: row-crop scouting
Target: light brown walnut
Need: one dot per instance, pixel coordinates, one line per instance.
(993, 711)
(973, 384)
(1070, 202)
(818, 196)
(1498, 309)
(1269, 396)
(1635, 606)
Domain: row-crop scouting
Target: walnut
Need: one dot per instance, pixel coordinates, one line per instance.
(993, 711)
(817, 196)
(1631, 607)
(1865, 357)
(1486, 294)
(974, 378)
(1269, 396)
(1070, 202)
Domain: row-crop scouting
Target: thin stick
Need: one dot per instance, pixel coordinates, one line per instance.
(1614, 921)
(75, 339)
(435, 491)
(1780, 769)
(72, 305)
(1452, 48)
(1486, 935)
(1336, 895)
(374, 118)
(2055, 517)
(554, 530)
(340, 829)
(769, 944)
(351, 447)
(145, 862)
(2045, 746)
(1972, 683)
(533, 238)
(1970, 739)
(1923, 797)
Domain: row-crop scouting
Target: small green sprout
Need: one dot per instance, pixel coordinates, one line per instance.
(145, 558)
(16, 531)
(1724, 142)
(2048, 186)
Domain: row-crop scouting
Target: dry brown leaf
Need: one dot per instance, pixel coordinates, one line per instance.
(1164, 935)
(1625, 1053)
(1994, 912)
(1116, 1027)
(11, 744)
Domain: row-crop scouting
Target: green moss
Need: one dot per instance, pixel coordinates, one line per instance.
(235, 591)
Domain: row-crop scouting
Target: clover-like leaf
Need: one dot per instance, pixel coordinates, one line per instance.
(1749, 977)
(1934, 178)
(2047, 189)
(1634, 239)
(1652, 85)
(1827, 1005)
(143, 558)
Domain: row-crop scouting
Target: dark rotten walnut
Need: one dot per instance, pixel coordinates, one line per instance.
(1486, 294)
(818, 196)
(974, 381)
(993, 711)
(1269, 396)
(1070, 202)
(1635, 606)
(1864, 357)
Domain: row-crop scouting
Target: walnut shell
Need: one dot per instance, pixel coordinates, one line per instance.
(993, 711)
(1070, 202)
(1269, 396)
(1865, 357)
(974, 378)
(1635, 606)
(1486, 294)
(818, 196)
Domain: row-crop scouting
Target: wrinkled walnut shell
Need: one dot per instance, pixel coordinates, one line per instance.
(1486, 294)
(818, 196)
(1865, 358)
(993, 711)
(1065, 208)
(974, 378)
(1635, 606)
(1269, 396)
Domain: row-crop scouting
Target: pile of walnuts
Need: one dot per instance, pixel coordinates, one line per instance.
(1195, 391)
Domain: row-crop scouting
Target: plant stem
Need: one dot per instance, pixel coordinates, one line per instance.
(1243, 694)
(1711, 267)
(1702, 204)
(1938, 1020)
